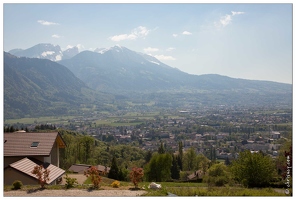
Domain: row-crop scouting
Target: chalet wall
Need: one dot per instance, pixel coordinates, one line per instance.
(54, 155)
(11, 175)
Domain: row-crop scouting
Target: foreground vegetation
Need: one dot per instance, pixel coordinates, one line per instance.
(179, 189)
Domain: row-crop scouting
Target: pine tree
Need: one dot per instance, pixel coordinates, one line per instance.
(227, 161)
(148, 156)
(175, 170)
(161, 149)
(11, 130)
(180, 156)
(114, 171)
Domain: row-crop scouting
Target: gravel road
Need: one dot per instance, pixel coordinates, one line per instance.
(75, 193)
(120, 192)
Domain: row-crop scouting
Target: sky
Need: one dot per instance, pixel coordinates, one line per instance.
(249, 41)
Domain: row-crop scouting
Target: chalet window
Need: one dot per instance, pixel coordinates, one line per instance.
(34, 144)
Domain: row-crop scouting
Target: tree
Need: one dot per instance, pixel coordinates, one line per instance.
(94, 175)
(284, 159)
(253, 169)
(88, 144)
(148, 156)
(41, 174)
(217, 175)
(189, 160)
(227, 161)
(202, 162)
(114, 171)
(161, 149)
(159, 167)
(180, 156)
(136, 175)
(11, 129)
(175, 170)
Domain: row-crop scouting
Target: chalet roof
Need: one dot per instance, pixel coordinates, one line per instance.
(31, 144)
(82, 167)
(196, 174)
(26, 166)
(103, 168)
(76, 168)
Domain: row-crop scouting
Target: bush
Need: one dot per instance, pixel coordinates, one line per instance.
(17, 185)
(70, 182)
(95, 178)
(115, 184)
(41, 174)
(136, 175)
(217, 175)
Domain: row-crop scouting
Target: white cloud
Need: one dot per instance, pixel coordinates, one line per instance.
(80, 46)
(139, 32)
(163, 57)
(46, 23)
(55, 36)
(118, 38)
(226, 19)
(186, 33)
(175, 35)
(150, 49)
(237, 13)
(69, 47)
(170, 49)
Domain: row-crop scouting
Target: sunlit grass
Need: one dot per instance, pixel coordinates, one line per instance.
(40, 120)
(176, 188)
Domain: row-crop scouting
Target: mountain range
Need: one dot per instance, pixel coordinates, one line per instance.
(71, 77)
(46, 51)
(35, 87)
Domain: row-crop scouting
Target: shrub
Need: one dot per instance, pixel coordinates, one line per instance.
(115, 184)
(41, 174)
(70, 182)
(136, 176)
(95, 178)
(217, 175)
(17, 185)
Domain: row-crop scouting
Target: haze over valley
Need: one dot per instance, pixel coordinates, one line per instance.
(118, 75)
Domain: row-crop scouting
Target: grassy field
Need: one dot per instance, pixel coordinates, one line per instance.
(194, 189)
(128, 119)
(40, 120)
(172, 188)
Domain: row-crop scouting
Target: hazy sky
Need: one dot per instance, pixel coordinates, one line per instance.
(251, 41)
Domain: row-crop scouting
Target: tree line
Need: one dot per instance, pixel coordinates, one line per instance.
(249, 169)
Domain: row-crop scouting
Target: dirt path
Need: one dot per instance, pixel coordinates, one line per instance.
(75, 193)
(120, 192)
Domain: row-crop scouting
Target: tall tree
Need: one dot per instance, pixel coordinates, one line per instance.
(175, 170)
(148, 156)
(189, 160)
(202, 162)
(114, 171)
(180, 156)
(159, 168)
(161, 149)
(87, 143)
